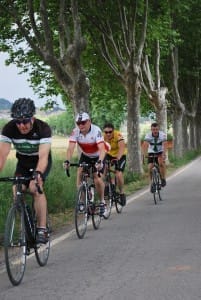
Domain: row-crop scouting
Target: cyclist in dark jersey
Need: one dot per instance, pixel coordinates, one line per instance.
(31, 139)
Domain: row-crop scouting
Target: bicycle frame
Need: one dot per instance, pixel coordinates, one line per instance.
(156, 179)
(111, 182)
(84, 207)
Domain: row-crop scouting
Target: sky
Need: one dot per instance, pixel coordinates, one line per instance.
(14, 86)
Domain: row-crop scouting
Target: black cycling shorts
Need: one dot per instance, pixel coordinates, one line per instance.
(24, 171)
(90, 160)
(151, 159)
(121, 162)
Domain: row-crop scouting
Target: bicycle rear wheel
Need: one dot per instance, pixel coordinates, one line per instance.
(108, 201)
(81, 214)
(42, 251)
(96, 219)
(15, 244)
(118, 205)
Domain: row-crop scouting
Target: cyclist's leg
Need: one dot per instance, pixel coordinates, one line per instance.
(40, 206)
(162, 167)
(150, 167)
(120, 178)
(100, 188)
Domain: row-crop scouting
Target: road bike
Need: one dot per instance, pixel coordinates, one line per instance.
(111, 195)
(156, 180)
(20, 232)
(87, 203)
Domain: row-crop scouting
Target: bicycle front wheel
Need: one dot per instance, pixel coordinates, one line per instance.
(15, 244)
(157, 187)
(96, 218)
(81, 214)
(42, 251)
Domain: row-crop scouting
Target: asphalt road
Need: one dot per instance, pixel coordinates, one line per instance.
(149, 252)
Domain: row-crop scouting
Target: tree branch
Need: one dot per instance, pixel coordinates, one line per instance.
(143, 35)
(47, 31)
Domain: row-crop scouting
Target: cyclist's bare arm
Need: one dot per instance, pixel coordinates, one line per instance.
(4, 151)
(43, 154)
(121, 150)
(164, 149)
(101, 148)
(145, 146)
(70, 150)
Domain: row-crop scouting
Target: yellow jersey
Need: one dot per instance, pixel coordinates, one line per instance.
(114, 143)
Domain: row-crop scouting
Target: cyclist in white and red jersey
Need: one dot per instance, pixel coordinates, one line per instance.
(155, 143)
(31, 138)
(91, 143)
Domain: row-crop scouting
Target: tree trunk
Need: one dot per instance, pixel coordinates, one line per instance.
(192, 136)
(161, 108)
(186, 142)
(133, 128)
(177, 133)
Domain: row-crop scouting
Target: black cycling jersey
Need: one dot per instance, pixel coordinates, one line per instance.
(27, 145)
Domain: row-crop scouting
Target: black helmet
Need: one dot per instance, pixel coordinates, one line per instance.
(23, 108)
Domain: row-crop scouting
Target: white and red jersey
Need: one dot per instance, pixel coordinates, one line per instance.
(88, 143)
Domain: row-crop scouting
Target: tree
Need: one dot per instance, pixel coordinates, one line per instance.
(47, 35)
(120, 37)
(186, 74)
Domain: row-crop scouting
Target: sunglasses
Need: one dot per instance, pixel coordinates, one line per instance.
(108, 132)
(81, 122)
(23, 121)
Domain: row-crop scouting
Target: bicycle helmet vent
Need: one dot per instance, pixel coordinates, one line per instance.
(23, 108)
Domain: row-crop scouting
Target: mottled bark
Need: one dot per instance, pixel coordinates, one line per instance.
(178, 133)
(155, 93)
(133, 128)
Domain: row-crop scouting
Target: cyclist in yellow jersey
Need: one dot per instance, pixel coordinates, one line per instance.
(117, 152)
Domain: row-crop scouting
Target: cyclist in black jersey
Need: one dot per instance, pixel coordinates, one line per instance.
(31, 139)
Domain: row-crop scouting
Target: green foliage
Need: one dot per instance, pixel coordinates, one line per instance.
(131, 177)
(2, 123)
(59, 188)
(187, 157)
(62, 124)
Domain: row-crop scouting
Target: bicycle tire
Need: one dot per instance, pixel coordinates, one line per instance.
(118, 205)
(155, 182)
(42, 251)
(96, 218)
(158, 187)
(15, 245)
(81, 217)
(108, 200)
